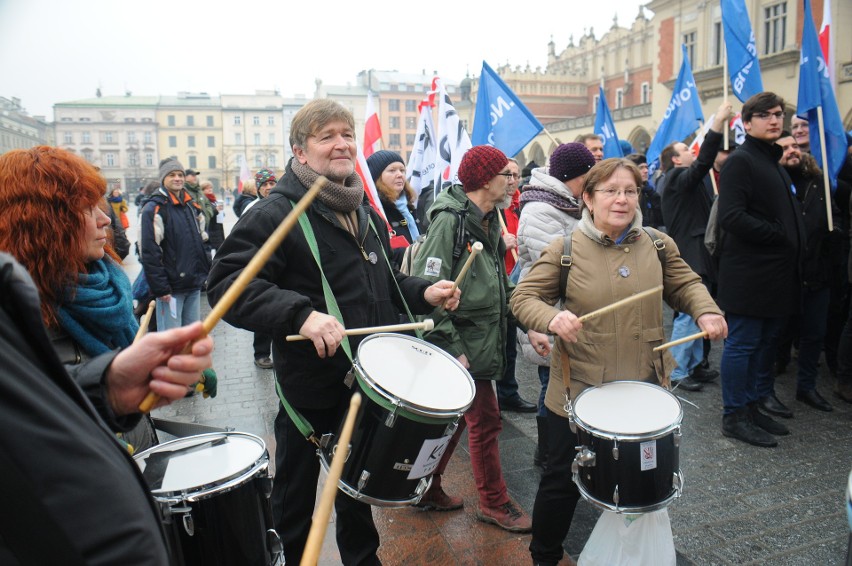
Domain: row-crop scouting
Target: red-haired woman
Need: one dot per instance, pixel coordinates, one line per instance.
(53, 224)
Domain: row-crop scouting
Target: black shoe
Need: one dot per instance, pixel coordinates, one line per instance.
(738, 425)
(703, 375)
(263, 363)
(773, 406)
(518, 405)
(688, 384)
(768, 424)
(814, 399)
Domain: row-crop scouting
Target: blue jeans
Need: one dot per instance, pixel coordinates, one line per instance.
(544, 378)
(187, 311)
(812, 327)
(686, 355)
(747, 360)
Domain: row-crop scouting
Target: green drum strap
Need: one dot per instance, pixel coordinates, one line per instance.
(301, 422)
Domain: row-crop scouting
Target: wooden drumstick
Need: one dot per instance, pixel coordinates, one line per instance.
(249, 272)
(713, 182)
(427, 324)
(683, 340)
(621, 303)
(506, 231)
(319, 524)
(475, 249)
(146, 321)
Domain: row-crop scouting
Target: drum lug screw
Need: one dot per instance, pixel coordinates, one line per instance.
(362, 481)
(615, 495)
(615, 449)
(676, 437)
(189, 524)
(389, 422)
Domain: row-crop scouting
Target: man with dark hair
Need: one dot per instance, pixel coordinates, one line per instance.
(759, 271)
(686, 209)
(288, 297)
(593, 143)
(649, 200)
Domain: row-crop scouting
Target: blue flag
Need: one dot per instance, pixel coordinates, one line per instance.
(741, 49)
(682, 117)
(605, 128)
(815, 90)
(501, 118)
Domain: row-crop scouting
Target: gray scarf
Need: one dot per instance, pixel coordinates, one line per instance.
(341, 198)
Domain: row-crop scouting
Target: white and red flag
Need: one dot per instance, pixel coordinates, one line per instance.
(245, 174)
(826, 39)
(421, 165)
(453, 140)
(372, 128)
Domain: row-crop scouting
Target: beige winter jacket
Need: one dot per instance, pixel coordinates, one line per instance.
(618, 345)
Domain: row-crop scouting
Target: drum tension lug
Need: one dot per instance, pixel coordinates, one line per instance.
(615, 449)
(615, 495)
(362, 481)
(325, 439)
(273, 543)
(391, 420)
(676, 437)
(585, 457)
(189, 524)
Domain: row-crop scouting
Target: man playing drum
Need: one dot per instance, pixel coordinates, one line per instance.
(287, 297)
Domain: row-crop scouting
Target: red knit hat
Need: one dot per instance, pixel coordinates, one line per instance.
(479, 165)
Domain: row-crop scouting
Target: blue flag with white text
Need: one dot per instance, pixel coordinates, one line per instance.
(501, 118)
(741, 49)
(815, 90)
(682, 117)
(605, 128)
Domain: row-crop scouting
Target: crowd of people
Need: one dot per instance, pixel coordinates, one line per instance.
(771, 284)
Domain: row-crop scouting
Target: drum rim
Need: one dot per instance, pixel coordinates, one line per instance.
(392, 402)
(221, 485)
(649, 435)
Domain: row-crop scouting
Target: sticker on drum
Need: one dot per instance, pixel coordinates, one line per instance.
(415, 371)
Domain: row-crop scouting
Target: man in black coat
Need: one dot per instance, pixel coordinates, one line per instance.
(287, 297)
(71, 493)
(759, 270)
(686, 209)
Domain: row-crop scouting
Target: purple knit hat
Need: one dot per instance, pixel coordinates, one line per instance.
(479, 165)
(570, 160)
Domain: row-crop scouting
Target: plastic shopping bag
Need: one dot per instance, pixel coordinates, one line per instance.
(630, 540)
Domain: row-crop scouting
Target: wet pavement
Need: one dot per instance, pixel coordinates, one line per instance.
(740, 505)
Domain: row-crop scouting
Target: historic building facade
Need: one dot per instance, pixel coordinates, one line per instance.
(19, 130)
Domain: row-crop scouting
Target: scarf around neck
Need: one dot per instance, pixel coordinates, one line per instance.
(568, 206)
(100, 315)
(402, 206)
(344, 197)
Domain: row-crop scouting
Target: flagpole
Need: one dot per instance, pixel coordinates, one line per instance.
(550, 136)
(725, 142)
(825, 178)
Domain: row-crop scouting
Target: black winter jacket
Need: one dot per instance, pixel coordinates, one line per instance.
(288, 289)
(761, 250)
(180, 262)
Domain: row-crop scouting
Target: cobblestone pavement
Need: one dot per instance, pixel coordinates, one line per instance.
(741, 504)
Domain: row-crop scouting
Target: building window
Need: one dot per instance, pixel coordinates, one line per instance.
(394, 140)
(190, 120)
(147, 120)
(210, 121)
(171, 120)
(108, 137)
(258, 160)
(411, 122)
(393, 104)
(619, 98)
(87, 154)
(110, 159)
(646, 93)
(409, 140)
(718, 44)
(394, 88)
(774, 28)
(394, 121)
(172, 141)
(595, 102)
(65, 120)
(193, 162)
(411, 106)
(237, 120)
(271, 161)
(190, 141)
(68, 137)
(255, 120)
(238, 139)
(131, 137)
(149, 137)
(272, 139)
(689, 41)
(130, 119)
(211, 141)
(149, 159)
(257, 139)
(270, 120)
(87, 137)
(133, 158)
(211, 162)
(85, 119)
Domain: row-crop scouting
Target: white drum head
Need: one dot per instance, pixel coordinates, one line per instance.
(196, 462)
(627, 407)
(415, 371)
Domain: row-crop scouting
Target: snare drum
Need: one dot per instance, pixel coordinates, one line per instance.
(628, 459)
(414, 395)
(213, 493)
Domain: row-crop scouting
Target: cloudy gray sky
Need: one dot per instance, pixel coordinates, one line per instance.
(60, 50)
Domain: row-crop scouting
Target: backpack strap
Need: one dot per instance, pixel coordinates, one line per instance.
(659, 245)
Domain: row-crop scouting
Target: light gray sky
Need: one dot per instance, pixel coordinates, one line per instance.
(60, 50)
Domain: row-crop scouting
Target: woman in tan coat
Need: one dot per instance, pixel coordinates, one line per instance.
(613, 258)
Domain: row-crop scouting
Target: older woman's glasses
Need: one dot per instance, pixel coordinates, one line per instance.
(630, 192)
(509, 175)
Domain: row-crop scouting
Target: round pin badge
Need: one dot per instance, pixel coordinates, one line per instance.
(373, 258)
(624, 271)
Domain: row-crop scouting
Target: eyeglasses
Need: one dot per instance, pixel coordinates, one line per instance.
(609, 193)
(767, 115)
(510, 175)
